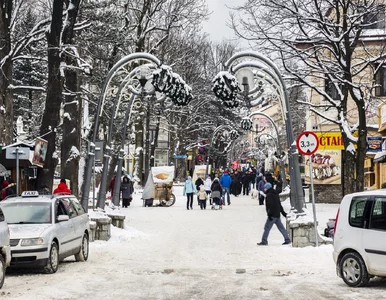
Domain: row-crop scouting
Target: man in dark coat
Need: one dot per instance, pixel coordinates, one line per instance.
(246, 181)
(274, 209)
(127, 191)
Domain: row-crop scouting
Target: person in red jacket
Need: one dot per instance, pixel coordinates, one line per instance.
(62, 187)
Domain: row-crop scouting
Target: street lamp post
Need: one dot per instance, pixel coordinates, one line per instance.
(163, 80)
(267, 74)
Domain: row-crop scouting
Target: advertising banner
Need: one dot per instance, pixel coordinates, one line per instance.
(40, 152)
(326, 165)
(374, 143)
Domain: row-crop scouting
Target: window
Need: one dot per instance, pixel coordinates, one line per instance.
(378, 215)
(69, 207)
(357, 211)
(375, 19)
(77, 206)
(331, 89)
(380, 81)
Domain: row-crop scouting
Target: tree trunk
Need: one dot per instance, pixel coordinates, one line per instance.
(6, 104)
(138, 156)
(51, 116)
(70, 148)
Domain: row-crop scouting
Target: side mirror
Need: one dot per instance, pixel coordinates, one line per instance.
(62, 218)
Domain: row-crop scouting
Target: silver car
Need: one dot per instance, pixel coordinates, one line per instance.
(5, 249)
(46, 229)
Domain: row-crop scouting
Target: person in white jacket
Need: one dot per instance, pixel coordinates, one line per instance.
(208, 185)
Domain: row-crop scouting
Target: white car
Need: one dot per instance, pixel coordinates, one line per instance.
(5, 249)
(45, 229)
(360, 237)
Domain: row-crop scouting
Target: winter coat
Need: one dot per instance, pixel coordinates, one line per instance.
(226, 181)
(126, 188)
(4, 190)
(273, 204)
(260, 186)
(189, 187)
(246, 179)
(62, 188)
(198, 183)
(216, 189)
(111, 186)
(208, 184)
(202, 193)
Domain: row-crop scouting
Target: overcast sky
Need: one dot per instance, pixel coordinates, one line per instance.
(216, 26)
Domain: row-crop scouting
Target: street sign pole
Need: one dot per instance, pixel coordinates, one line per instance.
(17, 170)
(307, 144)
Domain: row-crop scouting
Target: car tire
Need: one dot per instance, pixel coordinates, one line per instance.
(82, 255)
(2, 271)
(53, 259)
(353, 270)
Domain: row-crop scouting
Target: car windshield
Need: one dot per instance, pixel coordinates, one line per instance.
(27, 212)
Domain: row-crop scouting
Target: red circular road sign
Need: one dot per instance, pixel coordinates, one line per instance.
(307, 143)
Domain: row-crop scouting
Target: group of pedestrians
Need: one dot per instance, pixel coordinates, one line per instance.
(217, 191)
(126, 190)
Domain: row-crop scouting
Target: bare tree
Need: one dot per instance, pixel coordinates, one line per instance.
(327, 47)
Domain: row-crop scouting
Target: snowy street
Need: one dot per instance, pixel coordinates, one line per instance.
(173, 253)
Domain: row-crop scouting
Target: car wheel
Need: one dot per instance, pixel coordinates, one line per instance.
(353, 270)
(53, 259)
(83, 252)
(2, 271)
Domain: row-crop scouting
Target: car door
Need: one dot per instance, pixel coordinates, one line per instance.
(374, 238)
(73, 242)
(65, 228)
(80, 221)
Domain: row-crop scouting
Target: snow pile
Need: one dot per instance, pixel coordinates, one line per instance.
(119, 235)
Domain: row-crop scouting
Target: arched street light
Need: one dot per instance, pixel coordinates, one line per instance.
(139, 74)
(264, 76)
(233, 134)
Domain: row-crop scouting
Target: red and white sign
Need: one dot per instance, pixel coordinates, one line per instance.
(235, 165)
(307, 143)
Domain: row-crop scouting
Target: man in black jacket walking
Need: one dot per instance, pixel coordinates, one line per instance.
(274, 208)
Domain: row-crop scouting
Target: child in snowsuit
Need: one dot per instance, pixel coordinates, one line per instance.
(202, 197)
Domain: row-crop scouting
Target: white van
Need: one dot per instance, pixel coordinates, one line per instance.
(360, 237)
(5, 249)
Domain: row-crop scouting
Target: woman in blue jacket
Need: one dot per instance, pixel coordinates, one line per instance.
(189, 189)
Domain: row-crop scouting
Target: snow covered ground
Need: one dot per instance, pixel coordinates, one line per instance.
(174, 253)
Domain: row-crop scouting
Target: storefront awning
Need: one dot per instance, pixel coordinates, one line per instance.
(380, 156)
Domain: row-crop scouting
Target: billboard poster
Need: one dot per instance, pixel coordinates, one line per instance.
(40, 152)
(374, 143)
(326, 165)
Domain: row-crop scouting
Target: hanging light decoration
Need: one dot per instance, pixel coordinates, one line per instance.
(234, 135)
(246, 123)
(172, 85)
(226, 87)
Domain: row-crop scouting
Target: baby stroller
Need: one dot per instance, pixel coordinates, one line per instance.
(217, 203)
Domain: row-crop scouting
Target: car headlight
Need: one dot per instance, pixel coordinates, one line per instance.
(32, 242)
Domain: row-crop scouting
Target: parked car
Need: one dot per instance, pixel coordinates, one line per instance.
(45, 229)
(360, 237)
(5, 249)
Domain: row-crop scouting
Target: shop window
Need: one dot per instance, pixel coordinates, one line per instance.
(380, 81)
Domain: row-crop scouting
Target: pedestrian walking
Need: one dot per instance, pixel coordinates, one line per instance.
(189, 190)
(216, 192)
(127, 189)
(260, 189)
(226, 182)
(208, 184)
(274, 209)
(111, 186)
(62, 187)
(202, 197)
(198, 183)
(246, 181)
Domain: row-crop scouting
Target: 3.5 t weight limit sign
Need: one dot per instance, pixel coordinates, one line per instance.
(307, 143)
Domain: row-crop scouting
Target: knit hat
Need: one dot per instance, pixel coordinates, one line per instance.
(267, 186)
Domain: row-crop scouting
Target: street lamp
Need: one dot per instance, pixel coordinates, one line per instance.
(132, 83)
(266, 77)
